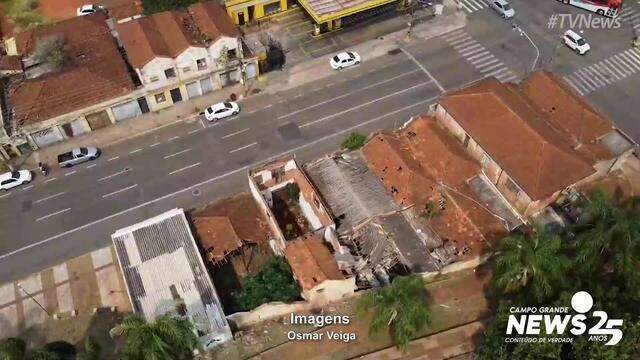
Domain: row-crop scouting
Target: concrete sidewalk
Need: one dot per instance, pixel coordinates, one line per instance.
(267, 85)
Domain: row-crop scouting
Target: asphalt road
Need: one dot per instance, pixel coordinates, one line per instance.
(193, 163)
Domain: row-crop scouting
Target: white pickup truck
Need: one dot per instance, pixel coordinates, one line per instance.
(77, 156)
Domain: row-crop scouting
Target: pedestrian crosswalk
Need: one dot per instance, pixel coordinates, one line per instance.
(630, 16)
(478, 56)
(471, 6)
(605, 72)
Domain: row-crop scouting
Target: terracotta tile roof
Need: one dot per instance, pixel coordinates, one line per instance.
(159, 35)
(96, 71)
(413, 163)
(169, 33)
(567, 112)
(515, 134)
(311, 261)
(124, 9)
(217, 236)
(212, 20)
(226, 225)
(10, 63)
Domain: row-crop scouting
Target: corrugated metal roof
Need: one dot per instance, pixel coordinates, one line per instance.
(163, 268)
(351, 190)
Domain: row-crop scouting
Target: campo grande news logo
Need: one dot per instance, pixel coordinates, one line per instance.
(556, 319)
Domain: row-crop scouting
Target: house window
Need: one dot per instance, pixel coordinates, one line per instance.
(231, 54)
(170, 73)
(186, 69)
(202, 63)
(154, 78)
(160, 98)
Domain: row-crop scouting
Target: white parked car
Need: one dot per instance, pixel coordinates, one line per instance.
(344, 59)
(14, 178)
(87, 9)
(575, 42)
(221, 110)
(503, 8)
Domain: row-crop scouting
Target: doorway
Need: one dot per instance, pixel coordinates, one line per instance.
(176, 96)
(241, 20)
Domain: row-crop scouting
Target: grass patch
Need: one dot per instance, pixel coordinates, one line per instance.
(354, 141)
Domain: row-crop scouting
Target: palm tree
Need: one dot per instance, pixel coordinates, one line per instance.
(12, 349)
(534, 262)
(401, 308)
(167, 337)
(609, 236)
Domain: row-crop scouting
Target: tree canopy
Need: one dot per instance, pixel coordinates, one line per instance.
(274, 282)
(600, 254)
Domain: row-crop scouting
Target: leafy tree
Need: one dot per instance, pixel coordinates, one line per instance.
(167, 337)
(274, 282)
(532, 262)
(401, 308)
(354, 141)
(12, 349)
(91, 350)
(154, 6)
(44, 354)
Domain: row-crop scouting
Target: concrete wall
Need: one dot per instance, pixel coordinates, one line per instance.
(271, 220)
(330, 291)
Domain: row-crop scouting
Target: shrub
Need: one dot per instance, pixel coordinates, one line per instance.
(354, 141)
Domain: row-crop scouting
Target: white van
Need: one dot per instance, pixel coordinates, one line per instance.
(575, 42)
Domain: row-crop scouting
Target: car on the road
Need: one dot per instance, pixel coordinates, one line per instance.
(221, 110)
(344, 59)
(77, 156)
(503, 8)
(575, 42)
(14, 178)
(87, 9)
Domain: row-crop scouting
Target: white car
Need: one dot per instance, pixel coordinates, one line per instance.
(575, 42)
(221, 110)
(344, 59)
(87, 9)
(14, 178)
(503, 8)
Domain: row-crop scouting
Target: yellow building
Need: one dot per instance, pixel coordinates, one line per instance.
(245, 11)
(329, 15)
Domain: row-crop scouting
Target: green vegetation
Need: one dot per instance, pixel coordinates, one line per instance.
(600, 255)
(400, 308)
(155, 6)
(166, 338)
(23, 12)
(354, 141)
(16, 349)
(274, 282)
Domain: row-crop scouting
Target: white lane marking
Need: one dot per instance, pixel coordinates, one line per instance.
(491, 67)
(49, 197)
(362, 105)
(53, 214)
(114, 158)
(4, 195)
(154, 144)
(469, 58)
(267, 106)
(70, 173)
(27, 187)
(347, 94)
(173, 138)
(424, 69)
(184, 168)
(114, 174)
(135, 151)
(214, 179)
(46, 181)
(119, 191)
(242, 148)
(235, 133)
(90, 166)
(177, 153)
(194, 131)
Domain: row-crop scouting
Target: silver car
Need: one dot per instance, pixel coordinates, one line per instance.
(503, 8)
(77, 156)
